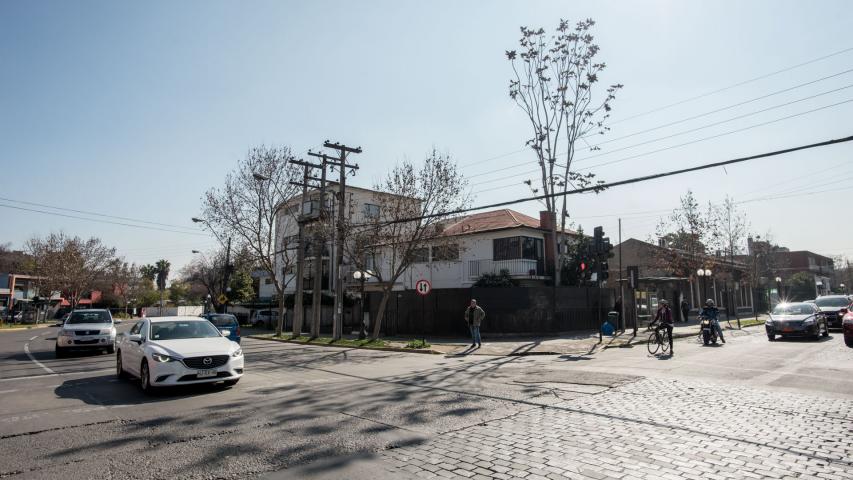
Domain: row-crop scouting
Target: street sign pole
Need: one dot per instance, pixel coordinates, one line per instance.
(422, 288)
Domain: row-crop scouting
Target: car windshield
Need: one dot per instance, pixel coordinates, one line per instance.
(223, 320)
(832, 302)
(89, 317)
(793, 309)
(183, 329)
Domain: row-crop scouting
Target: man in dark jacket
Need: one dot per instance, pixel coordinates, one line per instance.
(685, 310)
(474, 318)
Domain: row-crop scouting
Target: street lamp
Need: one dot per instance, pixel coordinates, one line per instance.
(704, 273)
(843, 287)
(361, 276)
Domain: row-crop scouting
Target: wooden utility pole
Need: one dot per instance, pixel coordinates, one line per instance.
(298, 307)
(319, 243)
(341, 164)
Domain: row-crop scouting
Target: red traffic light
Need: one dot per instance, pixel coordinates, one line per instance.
(583, 266)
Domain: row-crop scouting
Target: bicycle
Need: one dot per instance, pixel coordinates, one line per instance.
(657, 340)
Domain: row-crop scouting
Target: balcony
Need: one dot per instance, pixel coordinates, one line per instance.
(517, 268)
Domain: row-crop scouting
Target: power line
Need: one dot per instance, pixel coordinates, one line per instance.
(629, 181)
(101, 221)
(745, 82)
(92, 213)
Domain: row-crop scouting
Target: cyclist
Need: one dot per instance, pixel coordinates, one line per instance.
(711, 312)
(663, 318)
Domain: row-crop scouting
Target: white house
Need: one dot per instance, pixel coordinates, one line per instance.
(477, 244)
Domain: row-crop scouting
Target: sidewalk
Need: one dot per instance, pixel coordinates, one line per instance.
(576, 343)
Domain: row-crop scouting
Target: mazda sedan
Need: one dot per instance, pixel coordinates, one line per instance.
(796, 319)
(171, 351)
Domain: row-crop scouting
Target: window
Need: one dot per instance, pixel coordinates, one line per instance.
(512, 248)
(136, 328)
(371, 210)
(310, 207)
(445, 253)
(506, 248)
(267, 281)
(420, 255)
(372, 262)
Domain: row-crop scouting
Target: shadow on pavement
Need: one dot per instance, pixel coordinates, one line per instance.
(107, 390)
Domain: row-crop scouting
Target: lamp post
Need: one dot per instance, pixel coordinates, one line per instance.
(779, 288)
(704, 274)
(843, 288)
(361, 276)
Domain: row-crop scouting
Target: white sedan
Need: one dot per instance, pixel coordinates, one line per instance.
(170, 351)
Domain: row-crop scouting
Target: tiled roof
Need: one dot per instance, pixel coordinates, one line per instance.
(489, 221)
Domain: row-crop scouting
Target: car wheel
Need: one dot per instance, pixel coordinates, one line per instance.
(120, 373)
(231, 383)
(145, 377)
(58, 351)
(771, 337)
(848, 341)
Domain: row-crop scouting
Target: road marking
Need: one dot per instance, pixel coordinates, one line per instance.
(33, 338)
(34, 377)
(9, 391)
(27, 350)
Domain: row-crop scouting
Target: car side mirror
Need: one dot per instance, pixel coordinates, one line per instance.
(135, 338)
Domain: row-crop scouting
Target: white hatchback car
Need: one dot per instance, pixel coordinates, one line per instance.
(171, 351)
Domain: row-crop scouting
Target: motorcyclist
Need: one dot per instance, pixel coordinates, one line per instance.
(711, 312)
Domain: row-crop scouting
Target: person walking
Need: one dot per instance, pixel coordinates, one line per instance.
(663, 318)
(618, 308)
(474, 318)
(685, 310)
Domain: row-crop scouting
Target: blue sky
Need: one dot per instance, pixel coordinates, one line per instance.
(135, 109)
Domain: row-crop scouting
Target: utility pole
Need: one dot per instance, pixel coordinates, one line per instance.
(319, 243)
(621, 284)
(298, 307)
(341, 164)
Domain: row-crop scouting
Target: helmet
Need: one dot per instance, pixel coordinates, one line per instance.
(709, 303)
(662, 302)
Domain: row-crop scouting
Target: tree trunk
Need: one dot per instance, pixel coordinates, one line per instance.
(380, 314)
(279, 326)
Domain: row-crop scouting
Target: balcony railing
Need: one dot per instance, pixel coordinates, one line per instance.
(519, 267)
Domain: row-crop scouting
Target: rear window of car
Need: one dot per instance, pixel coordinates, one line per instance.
(794, 309)
(223, 320)
(832, 302)
(89, 317)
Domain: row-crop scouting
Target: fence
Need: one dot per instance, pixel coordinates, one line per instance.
(534, 310)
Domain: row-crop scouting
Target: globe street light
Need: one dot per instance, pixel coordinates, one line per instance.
(703, 274)
(779, 288)
(362, 276)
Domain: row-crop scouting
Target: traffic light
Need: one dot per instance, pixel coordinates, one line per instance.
(605, 271)
(607, 248)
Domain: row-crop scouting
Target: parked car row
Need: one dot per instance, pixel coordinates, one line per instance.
(162, 351)
(812, 318)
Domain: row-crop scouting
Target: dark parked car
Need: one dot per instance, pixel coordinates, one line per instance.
(847, 327)
(834, 307)
(796, 319)
(226, 323)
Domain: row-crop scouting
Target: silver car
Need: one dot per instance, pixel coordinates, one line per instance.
(87, 330)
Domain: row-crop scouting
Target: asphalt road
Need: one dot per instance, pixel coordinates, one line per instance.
(344, 413)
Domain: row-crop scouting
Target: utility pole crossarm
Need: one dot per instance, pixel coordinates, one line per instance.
(343, 148)
(303, 163)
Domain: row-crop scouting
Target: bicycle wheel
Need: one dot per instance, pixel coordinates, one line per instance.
(653, 344)
(664, 344)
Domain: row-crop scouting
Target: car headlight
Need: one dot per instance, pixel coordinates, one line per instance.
(106, 331)
(162, 358)
(769, 321)
(237, 353)
(808, 321)
(66, 333)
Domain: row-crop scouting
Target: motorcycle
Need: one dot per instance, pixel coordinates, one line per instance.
(709, 333)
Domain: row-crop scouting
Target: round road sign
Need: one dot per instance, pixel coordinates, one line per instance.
(423, 287)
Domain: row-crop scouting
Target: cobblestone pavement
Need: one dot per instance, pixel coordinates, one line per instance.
(650, 429)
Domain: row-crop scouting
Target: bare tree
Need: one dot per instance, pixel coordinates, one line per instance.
(413, 203)
(245, 210)
(732, 229)
(70, 265)
(208, 270)
(688, 234)
(554, 84)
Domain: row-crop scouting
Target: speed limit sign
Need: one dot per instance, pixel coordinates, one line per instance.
(423, 287)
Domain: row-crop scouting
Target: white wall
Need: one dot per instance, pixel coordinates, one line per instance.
(192, 311)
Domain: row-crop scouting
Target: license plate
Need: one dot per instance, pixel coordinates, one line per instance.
(206, 373)
(787, 330)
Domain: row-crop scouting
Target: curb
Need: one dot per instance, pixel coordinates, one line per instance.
(382, 349)
(20, 329)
